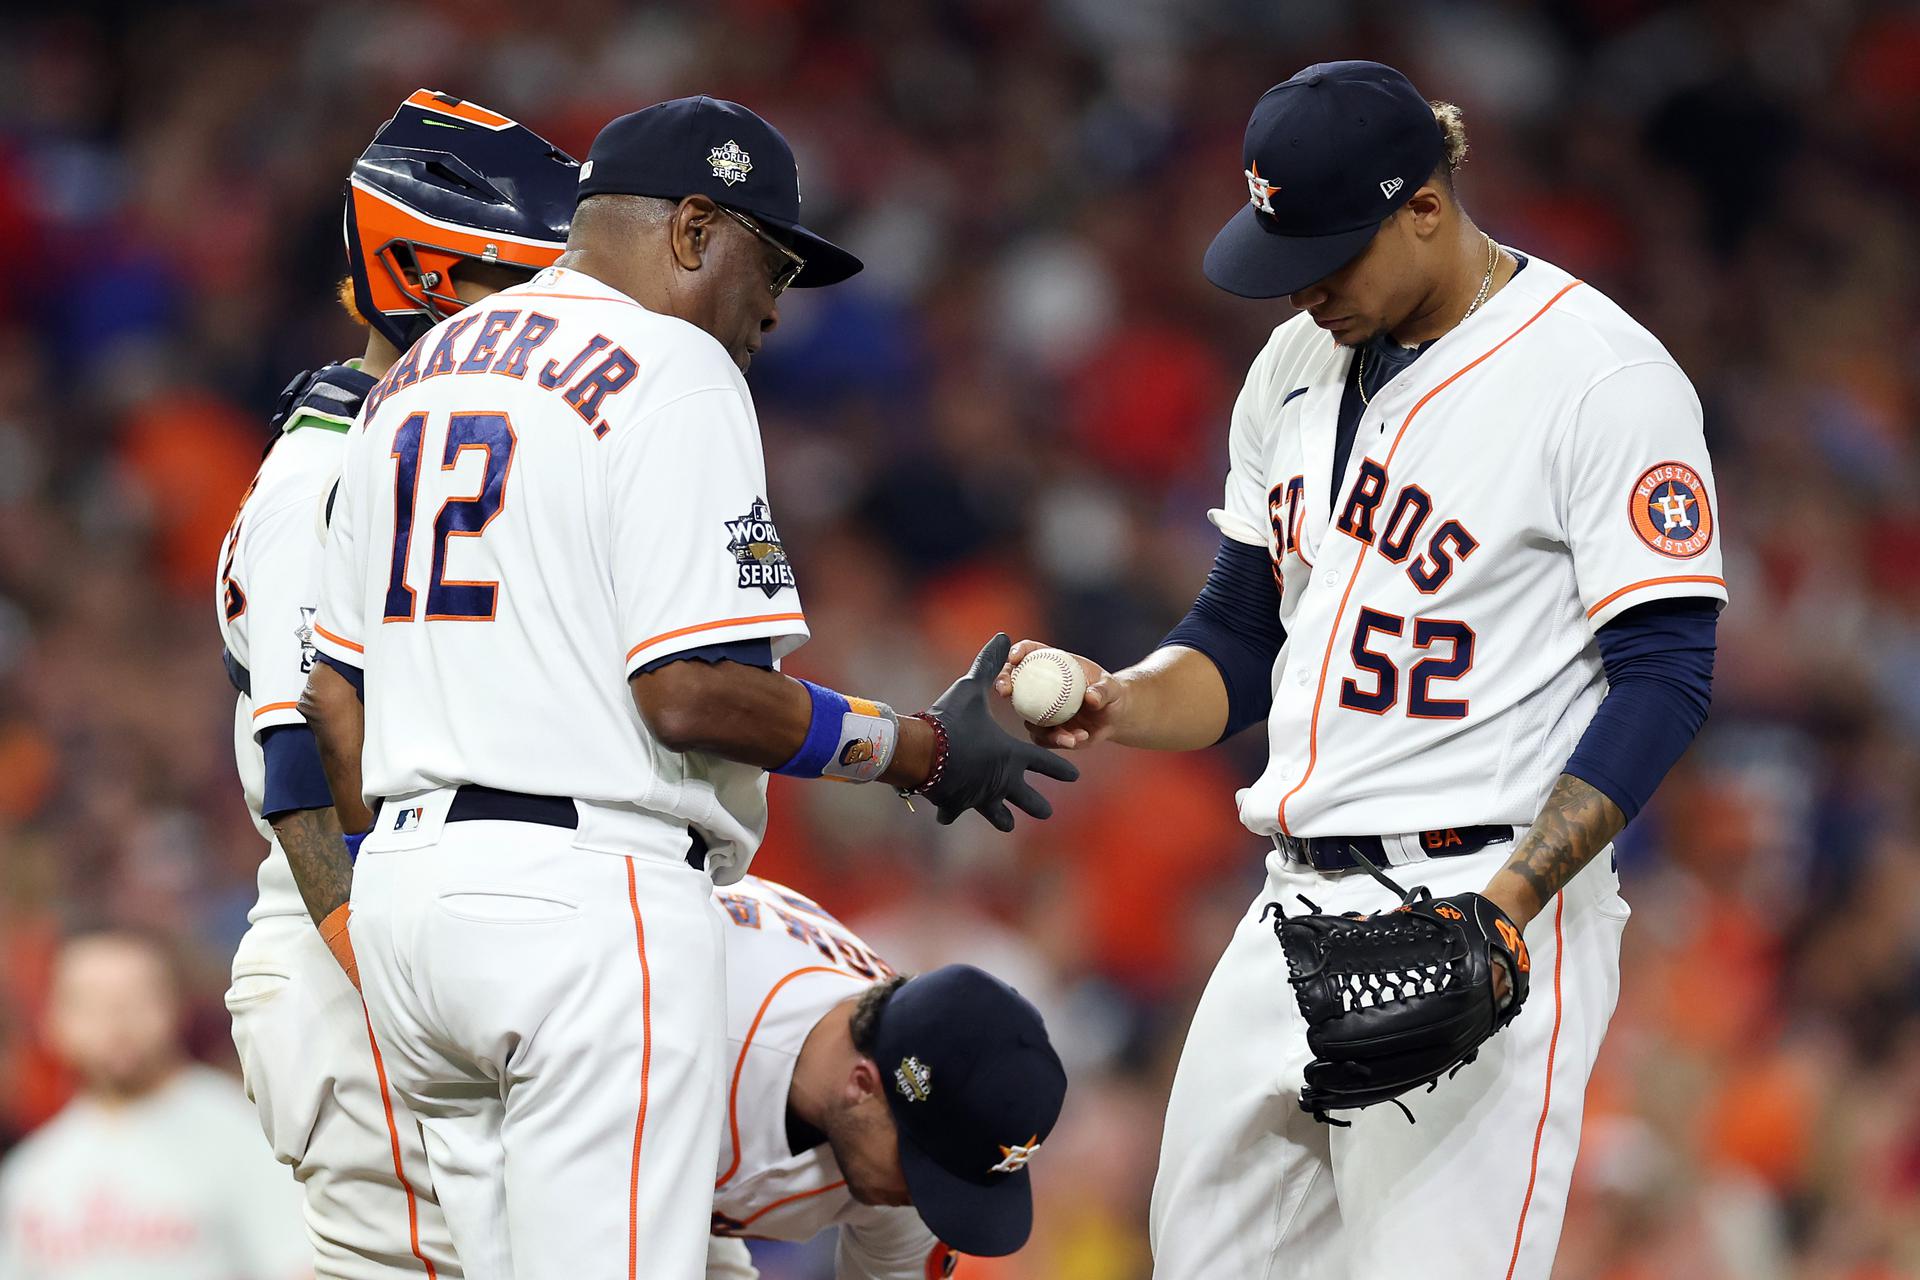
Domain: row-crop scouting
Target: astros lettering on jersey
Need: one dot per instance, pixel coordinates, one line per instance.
(1526, 480)
(652, 516)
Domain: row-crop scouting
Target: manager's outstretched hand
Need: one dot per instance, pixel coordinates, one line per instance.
(986, 767)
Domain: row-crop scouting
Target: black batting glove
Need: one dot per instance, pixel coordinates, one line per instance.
(986, 766)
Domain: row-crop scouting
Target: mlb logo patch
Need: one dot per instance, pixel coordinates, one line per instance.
(408, 819)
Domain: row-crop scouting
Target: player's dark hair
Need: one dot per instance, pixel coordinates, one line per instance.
(865, 1025)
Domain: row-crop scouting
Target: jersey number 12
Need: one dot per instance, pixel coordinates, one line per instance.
(448, 599)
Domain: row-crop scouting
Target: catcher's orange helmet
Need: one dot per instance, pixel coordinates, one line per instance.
(442, 182)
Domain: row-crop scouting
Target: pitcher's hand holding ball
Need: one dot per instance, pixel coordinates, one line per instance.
(1094, 719)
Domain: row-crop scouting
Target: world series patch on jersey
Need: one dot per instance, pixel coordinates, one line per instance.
(1535, 473)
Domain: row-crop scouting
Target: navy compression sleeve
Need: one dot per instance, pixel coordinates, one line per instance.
(294, 777)
(1659, 662)
(748, 653)
(1236, 622)
(351, 674)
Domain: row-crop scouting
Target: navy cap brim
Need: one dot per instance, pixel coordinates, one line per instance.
(827, 262)
(986, 1220)
(1253, 262)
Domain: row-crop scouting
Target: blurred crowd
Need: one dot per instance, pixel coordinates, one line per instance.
(1016, 419)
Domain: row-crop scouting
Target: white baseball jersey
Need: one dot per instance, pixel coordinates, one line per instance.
(175, 1186)
(1535, 472)
(267, 593)
(788, 963)
(549, 491)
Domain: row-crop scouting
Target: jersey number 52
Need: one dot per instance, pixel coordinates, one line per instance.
(1449, 648)
(448, 599)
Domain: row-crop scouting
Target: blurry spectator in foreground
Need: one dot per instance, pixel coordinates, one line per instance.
(156, 1169)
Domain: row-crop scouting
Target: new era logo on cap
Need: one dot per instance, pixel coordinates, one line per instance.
(1392, 185)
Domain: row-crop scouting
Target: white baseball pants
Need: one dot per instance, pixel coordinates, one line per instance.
(553, 1015)
(1252, 1187)
(310, 1067)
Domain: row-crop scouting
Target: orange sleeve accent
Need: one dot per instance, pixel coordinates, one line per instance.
(651, 641)
(275, 706)
(333, 931)
(342, 641)
(760, 1213)
(1656, 582)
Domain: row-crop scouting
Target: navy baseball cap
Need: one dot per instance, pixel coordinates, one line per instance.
(975, 1087)
(1329, 155)
(708, 147)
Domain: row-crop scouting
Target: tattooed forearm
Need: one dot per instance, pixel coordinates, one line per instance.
(318, 856)
(1576, 822)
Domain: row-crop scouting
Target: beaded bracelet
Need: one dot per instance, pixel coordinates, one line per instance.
(941, 748)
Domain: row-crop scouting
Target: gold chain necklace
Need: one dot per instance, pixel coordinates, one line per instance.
(1486, 287)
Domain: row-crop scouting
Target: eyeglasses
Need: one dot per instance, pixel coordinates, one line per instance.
(785, 273)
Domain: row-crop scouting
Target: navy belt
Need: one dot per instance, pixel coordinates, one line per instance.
(475, 803)
(1335, 853)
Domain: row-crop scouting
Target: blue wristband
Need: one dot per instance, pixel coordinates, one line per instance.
(353, 846)
(823, 733)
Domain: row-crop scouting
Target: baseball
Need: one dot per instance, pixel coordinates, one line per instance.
(1047, 687)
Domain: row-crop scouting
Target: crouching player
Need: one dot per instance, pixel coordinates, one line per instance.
(901, 1110)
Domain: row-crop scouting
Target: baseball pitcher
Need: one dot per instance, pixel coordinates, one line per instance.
(1469, 576)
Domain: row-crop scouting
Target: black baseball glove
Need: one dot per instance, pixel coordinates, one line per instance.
(986, 767)
(1397, 999)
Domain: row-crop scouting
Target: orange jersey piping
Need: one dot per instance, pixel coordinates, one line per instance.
(1546, 1103)
(1657, 582)
(1333, 633)
(713, 626)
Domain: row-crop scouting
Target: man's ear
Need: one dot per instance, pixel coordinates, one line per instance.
(1426, 207)
(693, 225)
(864, 1081)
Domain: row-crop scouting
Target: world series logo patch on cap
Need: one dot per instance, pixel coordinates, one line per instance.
(914, 1079)
(730, 163)
(1670, 511)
